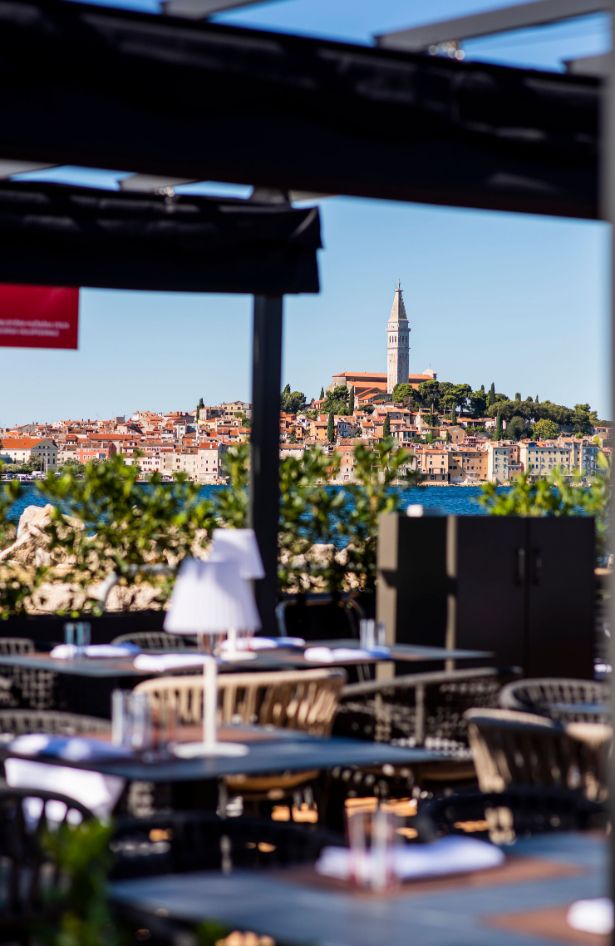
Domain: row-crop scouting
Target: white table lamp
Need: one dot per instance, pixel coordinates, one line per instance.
(210, 598)
(240, 546)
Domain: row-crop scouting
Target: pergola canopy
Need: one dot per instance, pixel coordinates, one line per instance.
(59, 235)
(159, 95)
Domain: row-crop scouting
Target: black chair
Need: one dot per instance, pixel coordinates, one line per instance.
(26, 866)
(319, 617)
(556, 698)
(157, 640)
(505, 816)
(179, 842)
(21, 686)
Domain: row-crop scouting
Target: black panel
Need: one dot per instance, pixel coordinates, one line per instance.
(490, 586)
(95, 86)
(562, 590)
(76, 236)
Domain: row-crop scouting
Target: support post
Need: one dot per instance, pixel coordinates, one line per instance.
(265, 447)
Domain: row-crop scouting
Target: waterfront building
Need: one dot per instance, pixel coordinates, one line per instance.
(29, 449)
(502, 461)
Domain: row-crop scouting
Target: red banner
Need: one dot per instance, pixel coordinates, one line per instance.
(38, 317)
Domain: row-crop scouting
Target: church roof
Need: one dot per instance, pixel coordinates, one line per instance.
(398, 309)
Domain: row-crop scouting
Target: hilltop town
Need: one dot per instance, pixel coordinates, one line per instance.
(454, 435)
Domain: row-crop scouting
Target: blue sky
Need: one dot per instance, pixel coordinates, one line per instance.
(518, 300)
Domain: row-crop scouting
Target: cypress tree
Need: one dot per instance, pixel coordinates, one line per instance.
(498, 427)
(331, 428)
(386, 430)
(491, 395)
(322, 394)
(351, 401)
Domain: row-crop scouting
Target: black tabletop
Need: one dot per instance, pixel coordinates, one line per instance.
(266, 755)
(518, 907)
(123, 667)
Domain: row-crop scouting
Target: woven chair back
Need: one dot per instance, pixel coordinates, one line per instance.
(556, 697)
(513, 749)
(302, 700)
(156, 640)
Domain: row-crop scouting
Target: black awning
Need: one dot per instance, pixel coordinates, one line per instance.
(58, 235)
(95, 86)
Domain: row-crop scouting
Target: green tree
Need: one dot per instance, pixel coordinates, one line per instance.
(386, 427)
(498, 427)
(336, 401)
(322, 393)
(331, 428)
(404, 394)
(583, 419)
(518, 398)
(292, 401)
(351, 401)
(545, 430)
(478, 402)
(491, 395)
(516, 428)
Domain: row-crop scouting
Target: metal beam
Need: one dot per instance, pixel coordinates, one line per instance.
(490, 22)
(152, 183)
(588, 66)
(265, 447)
(11, 168)
(199, 9)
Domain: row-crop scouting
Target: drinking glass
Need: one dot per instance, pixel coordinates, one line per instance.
(367, 634)
(83, 635)
(131, 720)
(373, 840)
(381, 634)
(69, 634)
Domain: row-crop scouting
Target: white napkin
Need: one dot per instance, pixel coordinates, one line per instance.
(96, 791)
(161, 662)
(328, 654)
(592, 916)
(264, 643)
(69, 651)
(452, 855)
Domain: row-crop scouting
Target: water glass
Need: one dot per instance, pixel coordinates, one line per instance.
(367, 634)
(374, 840)
(381, 634)
(78, 636)
(131, 720)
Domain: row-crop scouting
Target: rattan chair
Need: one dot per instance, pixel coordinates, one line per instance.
(422, 709)
(505, 816)
(18, 722)
(556, 697)
(22, 687)
(520, 749)
(301, 700)
(26, 866)
(157, 640)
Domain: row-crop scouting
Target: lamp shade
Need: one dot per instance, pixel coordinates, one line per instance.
(210, 598)
(240, 546)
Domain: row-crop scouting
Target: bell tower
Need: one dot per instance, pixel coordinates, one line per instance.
(398, 343)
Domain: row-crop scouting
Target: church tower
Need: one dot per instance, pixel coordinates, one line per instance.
(398, 343)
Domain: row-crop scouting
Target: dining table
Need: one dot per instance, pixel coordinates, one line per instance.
(523, 902)
(196, 781)
(85, 683)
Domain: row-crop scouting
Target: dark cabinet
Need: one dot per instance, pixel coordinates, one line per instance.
(523, 588)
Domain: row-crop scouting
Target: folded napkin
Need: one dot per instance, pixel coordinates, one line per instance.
(330, 654)
(156, 663)
(96, 791)
(71, 748)
(452, 855)
(69, 651)
(592, 916)
(265, 643)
